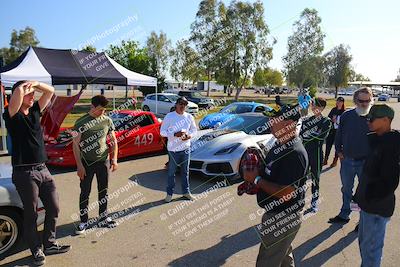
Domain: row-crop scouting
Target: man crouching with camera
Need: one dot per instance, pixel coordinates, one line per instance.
(280, 189)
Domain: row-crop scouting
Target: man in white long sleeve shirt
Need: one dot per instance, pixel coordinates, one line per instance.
(179, 127)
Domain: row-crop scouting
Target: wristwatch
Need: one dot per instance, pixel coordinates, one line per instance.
(258, 178)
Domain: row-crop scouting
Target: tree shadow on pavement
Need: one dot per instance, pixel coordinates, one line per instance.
(157, 180)
(219, 253)
(322, 257)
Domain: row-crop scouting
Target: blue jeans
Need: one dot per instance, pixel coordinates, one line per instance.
(348, 170)
(371, 236)
(176, 159)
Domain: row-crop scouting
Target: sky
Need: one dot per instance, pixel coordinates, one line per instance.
(370, 27)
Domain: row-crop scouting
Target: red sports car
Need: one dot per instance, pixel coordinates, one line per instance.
(137, 132)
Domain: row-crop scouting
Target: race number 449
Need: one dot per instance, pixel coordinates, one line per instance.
(144, 140)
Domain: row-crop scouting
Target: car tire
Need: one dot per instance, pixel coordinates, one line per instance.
(172, 109)
(11, 229)
(146, 108)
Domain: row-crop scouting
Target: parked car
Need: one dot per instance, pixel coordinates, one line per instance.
(137, 132)
(229, 112)
(219, 152)
(165, 103)
(196, 97)
(11, 211)
(383, 97)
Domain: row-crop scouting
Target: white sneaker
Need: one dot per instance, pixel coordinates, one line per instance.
(189, 196)
(81, 228)
(168, 198)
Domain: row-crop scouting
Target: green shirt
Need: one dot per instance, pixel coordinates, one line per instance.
(94, 131)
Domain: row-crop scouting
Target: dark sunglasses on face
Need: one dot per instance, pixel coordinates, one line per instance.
(363, 101)
(182, 103)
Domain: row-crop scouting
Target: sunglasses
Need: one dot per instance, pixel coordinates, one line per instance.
(182, 103)
(363, 101)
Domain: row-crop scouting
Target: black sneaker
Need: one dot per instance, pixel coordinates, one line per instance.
(56, 249)
(108, 223)
(39, 258)
(338, 219)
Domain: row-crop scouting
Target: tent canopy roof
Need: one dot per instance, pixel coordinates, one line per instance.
(60, 66)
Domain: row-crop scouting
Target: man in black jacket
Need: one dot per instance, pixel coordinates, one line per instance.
(380, 178)
(314, 131)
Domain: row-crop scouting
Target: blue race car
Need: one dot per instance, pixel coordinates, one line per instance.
(214, 120)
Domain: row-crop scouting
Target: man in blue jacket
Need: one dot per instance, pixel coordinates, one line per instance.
(352, 147)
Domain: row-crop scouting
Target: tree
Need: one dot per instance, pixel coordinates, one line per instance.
(267, 77)
(398, 77)
(259, 78)
(248, 47)
(185, 65)
(204, 35)
(337, 66)
(158, 48)
(19, 43)
(302, 62)
(274, 78)
(354, 76)
(132, 57)
(89, 48)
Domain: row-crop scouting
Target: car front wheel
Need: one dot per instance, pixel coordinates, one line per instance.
(146, 108)
(10, 229)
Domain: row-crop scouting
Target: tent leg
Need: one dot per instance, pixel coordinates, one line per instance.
(156, 101)
(113, 98)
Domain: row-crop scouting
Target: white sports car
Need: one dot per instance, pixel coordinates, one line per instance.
(219, 152)
(11, 211)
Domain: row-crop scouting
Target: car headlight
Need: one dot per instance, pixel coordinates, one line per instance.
(228, 149)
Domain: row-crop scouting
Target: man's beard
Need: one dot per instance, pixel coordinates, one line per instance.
(363, 111)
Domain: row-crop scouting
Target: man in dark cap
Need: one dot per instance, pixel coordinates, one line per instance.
(179, 127)
(280, 189)
(379, 180)
(314, 131)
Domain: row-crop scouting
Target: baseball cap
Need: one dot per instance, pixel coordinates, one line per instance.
(287, 111)
(182, 99)
(380, 111)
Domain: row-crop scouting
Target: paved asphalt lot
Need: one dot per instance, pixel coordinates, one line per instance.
(219, 226)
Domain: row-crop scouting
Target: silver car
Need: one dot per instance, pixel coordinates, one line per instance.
(219, 152)
(11, 211)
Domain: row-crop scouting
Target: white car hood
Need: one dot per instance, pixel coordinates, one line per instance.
(192, 105)
(208, 142)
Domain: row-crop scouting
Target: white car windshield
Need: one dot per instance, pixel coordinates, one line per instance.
(254, 125)
(173, 98)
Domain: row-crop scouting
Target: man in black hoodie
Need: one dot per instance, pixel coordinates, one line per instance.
(380, 178)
